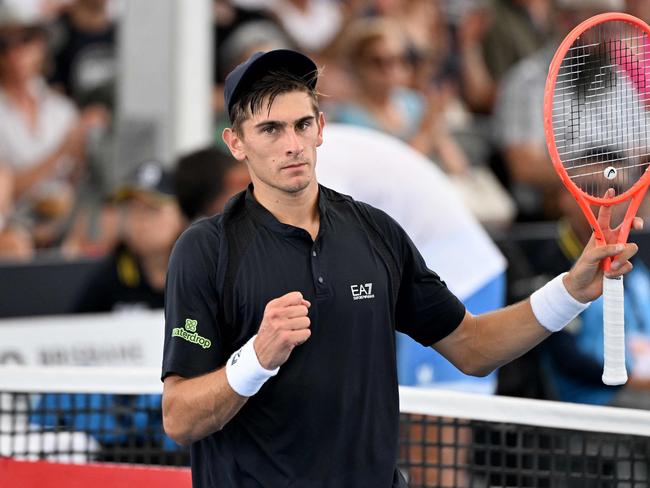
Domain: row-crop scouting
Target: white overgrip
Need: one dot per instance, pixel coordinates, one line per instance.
(614, 372)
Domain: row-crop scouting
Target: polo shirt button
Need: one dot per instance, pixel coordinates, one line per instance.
(313, 253)
(320, 279)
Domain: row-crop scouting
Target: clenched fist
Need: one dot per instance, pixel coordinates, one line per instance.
(284, 326)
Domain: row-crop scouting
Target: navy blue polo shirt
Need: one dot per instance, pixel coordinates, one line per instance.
(330, 416)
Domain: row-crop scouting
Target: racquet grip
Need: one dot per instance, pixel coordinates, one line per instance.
(614, 372)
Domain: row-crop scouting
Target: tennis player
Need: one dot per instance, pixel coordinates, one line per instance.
(279, 357)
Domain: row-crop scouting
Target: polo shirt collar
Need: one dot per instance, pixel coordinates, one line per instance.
(261, 215)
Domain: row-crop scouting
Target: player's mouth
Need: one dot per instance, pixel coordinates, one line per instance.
(293, 166)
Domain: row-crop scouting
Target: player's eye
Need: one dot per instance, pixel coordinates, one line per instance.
(269, 129)
(303, 125)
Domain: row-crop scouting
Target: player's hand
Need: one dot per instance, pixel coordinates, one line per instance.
(284, 326)
(584, 281)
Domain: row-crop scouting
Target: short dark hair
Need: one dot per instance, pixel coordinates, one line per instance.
(264, 90)
(200, 179)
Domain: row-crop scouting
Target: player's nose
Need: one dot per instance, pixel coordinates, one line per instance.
(294, 145)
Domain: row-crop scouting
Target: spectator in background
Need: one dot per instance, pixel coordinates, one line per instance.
(42, 137)
(46, 9)
(492, 40)
(639, 8)
(519, 131)
(428, 55)
(519, 122)
(429, 48)
(83, 52)
(133, 276)
(251, 32)
(205, 180)
(312, 25)
(477, 84)
(376, 55)
(15, 242)
(426, 37)
(156, 206)
(235, 27)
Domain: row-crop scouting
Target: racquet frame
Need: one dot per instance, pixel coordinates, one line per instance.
(614, 369)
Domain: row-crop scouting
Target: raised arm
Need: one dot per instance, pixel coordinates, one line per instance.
(482, 343)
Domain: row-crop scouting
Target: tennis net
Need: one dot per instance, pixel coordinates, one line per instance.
(447, 439)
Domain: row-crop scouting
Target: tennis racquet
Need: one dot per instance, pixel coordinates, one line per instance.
(597, 124)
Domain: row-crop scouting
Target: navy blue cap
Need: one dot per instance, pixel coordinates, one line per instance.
(261, 63)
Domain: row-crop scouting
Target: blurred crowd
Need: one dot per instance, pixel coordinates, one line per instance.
(461, 81)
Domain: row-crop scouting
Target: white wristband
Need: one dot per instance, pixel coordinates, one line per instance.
(244, 372)
(553, 305)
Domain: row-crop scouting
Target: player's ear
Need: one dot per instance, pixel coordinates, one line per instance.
(234, 143)
(321, 124)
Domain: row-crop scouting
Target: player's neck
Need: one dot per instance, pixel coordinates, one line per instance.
(299, 209)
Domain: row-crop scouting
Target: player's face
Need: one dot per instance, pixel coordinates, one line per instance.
(279, 144)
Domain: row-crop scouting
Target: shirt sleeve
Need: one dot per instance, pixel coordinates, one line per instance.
(193, 344)
(426, 309)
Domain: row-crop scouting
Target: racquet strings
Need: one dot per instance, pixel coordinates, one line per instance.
(601, 123)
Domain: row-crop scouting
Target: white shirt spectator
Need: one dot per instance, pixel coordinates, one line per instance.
(384, 172)
(312, 29)
(519, 113)
(22, 147)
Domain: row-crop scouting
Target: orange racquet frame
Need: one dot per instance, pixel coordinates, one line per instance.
(615, 374)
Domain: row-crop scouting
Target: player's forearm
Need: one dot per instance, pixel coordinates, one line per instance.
(482, 343)
(194, 408)
(505, 334)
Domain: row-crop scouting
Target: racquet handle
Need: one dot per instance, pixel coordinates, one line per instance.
(614, 372)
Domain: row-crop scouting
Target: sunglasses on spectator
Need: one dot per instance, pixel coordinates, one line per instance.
(19, 38)
(383, 62)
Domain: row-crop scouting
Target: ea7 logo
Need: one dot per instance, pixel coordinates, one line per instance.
(361, 292)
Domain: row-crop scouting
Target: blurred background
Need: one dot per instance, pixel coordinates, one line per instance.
(111, 113)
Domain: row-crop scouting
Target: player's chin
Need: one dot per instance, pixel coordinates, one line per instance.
(297, 184)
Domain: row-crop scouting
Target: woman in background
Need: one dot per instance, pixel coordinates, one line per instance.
(42, 136)
(376, 54)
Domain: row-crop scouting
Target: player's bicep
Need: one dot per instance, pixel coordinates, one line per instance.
(458, 345)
